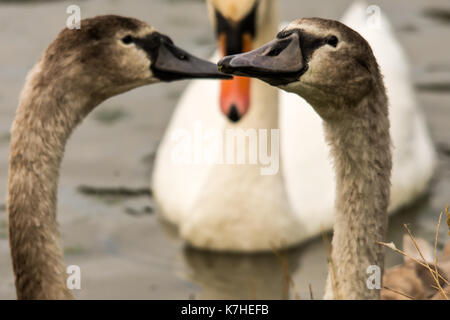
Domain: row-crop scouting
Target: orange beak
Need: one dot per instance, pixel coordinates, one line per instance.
(235, 93)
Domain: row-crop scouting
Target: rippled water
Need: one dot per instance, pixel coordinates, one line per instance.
(122, 246)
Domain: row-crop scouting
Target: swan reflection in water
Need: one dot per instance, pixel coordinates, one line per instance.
(284, 274)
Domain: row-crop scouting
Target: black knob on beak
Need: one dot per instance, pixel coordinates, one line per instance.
(233, 115)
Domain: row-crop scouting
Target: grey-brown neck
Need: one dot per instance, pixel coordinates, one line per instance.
(45, 118)
(360, 146)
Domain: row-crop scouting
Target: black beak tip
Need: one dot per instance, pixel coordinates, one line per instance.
(234, 115)
(224, 65)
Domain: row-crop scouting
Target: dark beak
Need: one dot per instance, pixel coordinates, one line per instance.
(173, 63)
(278, 62)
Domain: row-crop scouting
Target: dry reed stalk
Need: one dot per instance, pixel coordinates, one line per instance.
(287, 279)
(294, 290)
(399, 292)
(252, 290)
(393, 248)
(447, 213)
(427, 265)
(334, 284)
(311, 296)
(434, 273)
(442, 291)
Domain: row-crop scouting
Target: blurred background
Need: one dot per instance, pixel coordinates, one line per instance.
(110, 225)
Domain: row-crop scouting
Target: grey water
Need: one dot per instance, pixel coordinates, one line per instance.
(120, 242)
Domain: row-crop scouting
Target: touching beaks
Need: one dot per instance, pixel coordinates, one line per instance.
(173, 63)
(278, 62)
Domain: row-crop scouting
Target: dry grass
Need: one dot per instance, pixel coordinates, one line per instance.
(434, 273)
(447, 213)
(437, 277)
(311, 295)
(398, 292)
(288, 283)
(331, 268)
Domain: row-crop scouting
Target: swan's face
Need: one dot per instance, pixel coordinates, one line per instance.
(112, 54)
(236, 23)
(324, 61)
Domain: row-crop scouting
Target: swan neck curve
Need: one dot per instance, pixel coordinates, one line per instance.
(46, 115)
(360, 147)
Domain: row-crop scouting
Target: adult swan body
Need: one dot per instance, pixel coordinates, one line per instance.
(227, 206)
(81, 68)
(233, 207)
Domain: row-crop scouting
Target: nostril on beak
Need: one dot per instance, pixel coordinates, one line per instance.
(233, 114)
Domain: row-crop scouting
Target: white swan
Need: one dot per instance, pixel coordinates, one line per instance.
(226, 207)
(233, 207)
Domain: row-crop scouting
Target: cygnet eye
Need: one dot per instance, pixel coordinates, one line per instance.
(332, 41)
(127, 39)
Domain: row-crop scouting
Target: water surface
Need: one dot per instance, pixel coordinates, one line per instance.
(122, 246)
